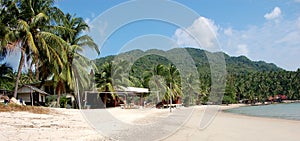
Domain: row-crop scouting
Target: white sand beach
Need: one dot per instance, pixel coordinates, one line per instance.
(70, 124)
(234, 127)
(62, 125)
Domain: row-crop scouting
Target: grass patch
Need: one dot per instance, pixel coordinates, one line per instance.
(18, 108)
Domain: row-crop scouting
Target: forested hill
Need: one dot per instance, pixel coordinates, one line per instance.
(152, 57)
(245, 79)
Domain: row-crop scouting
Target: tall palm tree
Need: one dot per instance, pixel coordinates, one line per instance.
(170, 85)
(191, 87)
(77, 64)
(34, 37)
(154, 79)
(173, 81)
(10, 34)
(157, 70)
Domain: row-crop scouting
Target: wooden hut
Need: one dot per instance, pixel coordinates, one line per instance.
(32, 95)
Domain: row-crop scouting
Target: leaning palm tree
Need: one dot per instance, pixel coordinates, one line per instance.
(77, 65)
(8, 17)
(78, 42)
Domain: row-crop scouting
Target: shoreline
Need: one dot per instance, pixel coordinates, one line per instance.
(70, 124)
(235, 127)
(225, 110)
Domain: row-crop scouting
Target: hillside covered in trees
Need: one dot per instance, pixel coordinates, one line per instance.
(254, 81)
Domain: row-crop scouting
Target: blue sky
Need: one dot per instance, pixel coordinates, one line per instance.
(267, 30)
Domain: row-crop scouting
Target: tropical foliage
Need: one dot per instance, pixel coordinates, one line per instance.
(49, 42)
(246, 79)
(6, 77)
(104, 80)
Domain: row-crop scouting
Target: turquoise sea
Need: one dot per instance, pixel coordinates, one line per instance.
(285, 111)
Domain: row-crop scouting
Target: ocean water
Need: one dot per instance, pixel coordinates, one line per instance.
(285, 111)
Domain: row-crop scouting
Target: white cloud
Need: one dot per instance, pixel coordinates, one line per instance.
(202, 30)
(292, 38)
(228, 31)
(274, 14)
(242, 50)
(13, 59)
(272, 42)
(297, 1)
(87, 20)
(298, 22)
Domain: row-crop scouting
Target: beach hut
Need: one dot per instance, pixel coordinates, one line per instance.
(93, 99)
(32, 95)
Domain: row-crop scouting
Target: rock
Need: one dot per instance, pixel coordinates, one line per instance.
(15, 101)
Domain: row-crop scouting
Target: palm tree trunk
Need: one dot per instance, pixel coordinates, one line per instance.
(105, 100)
(37, 72)
(21, 63)
(58, 94)
(30, 72)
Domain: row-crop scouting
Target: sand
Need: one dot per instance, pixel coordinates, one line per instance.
(63, 124)
(71, 124)
(234, 127)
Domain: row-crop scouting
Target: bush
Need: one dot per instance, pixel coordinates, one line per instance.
(52, 99)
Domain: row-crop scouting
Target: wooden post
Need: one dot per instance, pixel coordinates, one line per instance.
(141, 100)
(31, 97)
(170, 97)
(115, 101)
(157, 94)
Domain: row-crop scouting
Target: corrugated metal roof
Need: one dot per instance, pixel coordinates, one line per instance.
(35, 89)
(131, 89)
(138, 90)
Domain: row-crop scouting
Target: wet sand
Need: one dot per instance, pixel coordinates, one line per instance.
(233, 127)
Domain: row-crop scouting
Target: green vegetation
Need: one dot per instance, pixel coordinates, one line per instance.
(6, 77)
(246, 79)
(49, 42)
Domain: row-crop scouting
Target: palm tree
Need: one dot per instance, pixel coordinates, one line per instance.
(104, 80)
(191, 89)
(157, 70)
(8, 17)
(50, 41)
(34, 37)
(6, 77)
(155, 81)
(77, 65)
(170, 84)
(120, 75)
(173, 81)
